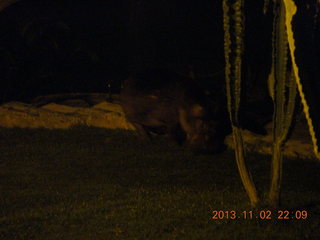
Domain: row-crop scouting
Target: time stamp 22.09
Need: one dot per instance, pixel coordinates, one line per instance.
(262, 214)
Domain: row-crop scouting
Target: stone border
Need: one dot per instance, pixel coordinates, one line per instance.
(110, 115)
(52, 115)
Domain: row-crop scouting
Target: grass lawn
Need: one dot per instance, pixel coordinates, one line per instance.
(91, 184)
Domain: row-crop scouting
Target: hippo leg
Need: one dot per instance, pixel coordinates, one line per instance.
(177, 134)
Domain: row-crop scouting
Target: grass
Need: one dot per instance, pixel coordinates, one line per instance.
(90, 183)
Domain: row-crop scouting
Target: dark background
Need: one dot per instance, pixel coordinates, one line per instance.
(68, 47)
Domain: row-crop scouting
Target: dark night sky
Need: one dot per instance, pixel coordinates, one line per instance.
(55, 46)
(59, 46)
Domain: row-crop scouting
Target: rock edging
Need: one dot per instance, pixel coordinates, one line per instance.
(110, 115)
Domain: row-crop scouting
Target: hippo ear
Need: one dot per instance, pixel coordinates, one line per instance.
(197, 110)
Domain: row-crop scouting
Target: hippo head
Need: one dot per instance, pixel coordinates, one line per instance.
(204, 133)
